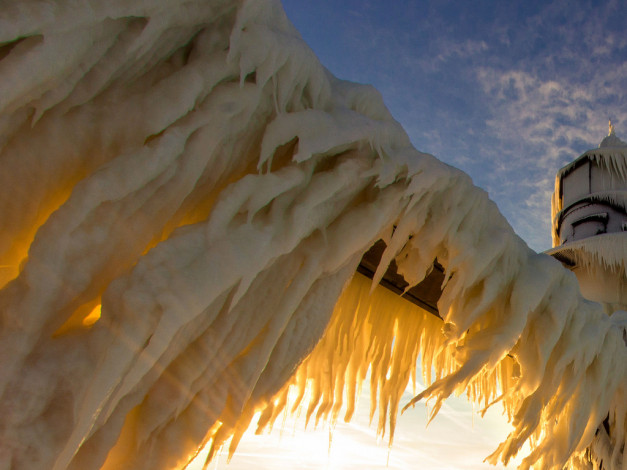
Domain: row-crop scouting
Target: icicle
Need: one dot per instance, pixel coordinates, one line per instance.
(193, 169)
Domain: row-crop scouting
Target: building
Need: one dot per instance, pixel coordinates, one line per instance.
(590, 221)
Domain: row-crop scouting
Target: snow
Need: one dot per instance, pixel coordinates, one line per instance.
(193, 169)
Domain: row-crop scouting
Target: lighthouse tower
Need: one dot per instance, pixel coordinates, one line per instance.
(590, 221)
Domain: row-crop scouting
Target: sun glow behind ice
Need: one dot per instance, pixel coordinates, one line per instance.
(457, 439)
(293, 441)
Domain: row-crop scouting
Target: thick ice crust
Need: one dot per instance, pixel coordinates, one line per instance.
(186, 192)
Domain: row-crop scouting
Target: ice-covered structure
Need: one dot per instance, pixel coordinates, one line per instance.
(590, 221)
(590, 237)
(185, 196)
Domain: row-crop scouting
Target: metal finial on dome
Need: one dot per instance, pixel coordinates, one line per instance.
(612, 139)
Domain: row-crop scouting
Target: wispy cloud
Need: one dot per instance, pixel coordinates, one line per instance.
(550, 106)
(506, 91)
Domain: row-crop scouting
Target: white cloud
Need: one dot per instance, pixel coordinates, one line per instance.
(542, 124)
(509, 100)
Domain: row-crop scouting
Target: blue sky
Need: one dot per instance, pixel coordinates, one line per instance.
(507, 91)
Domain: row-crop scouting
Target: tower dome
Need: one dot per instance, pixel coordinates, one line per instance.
(589, 211)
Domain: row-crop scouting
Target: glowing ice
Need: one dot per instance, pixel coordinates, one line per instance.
(192, 168)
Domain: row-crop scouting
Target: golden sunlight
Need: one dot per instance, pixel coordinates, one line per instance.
(457, 438)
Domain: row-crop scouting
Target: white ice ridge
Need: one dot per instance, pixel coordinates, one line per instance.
(185, 193)
(607, 251)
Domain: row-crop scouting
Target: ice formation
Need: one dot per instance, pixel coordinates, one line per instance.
(186, 194)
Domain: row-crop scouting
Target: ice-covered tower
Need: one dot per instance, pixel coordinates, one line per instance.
(589, 211)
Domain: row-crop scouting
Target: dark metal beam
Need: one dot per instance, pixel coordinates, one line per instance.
(425, 294)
